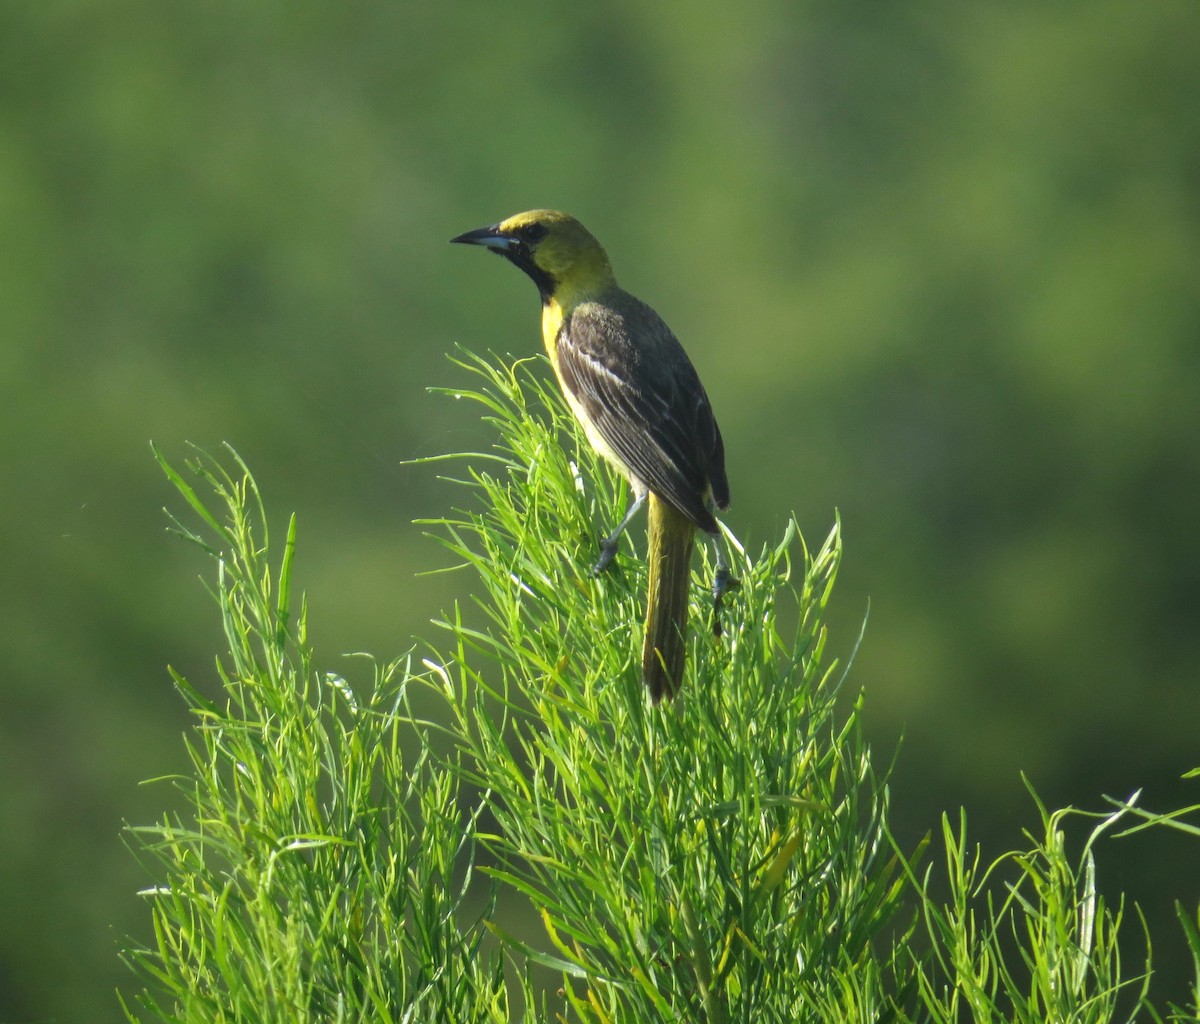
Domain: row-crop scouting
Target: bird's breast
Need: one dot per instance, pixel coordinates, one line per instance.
(552, 321)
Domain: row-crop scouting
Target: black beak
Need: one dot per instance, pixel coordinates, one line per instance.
(489, 237)
(513, 250)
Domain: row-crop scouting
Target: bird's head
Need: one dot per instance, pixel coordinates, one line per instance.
(554, 249)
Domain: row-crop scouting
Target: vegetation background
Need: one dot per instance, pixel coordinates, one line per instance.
(938, 264)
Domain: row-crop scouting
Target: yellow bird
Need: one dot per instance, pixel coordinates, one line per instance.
(642, 406)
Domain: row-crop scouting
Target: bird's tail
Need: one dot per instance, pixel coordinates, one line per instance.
(664, 650)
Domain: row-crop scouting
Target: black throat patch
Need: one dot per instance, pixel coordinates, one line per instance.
(520, 256)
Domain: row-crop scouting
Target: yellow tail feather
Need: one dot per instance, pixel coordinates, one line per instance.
(664, 650)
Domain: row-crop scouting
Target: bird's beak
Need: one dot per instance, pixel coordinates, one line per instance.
(490, 237)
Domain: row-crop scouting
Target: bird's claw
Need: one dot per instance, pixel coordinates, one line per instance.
(723, 582)
(608, 551)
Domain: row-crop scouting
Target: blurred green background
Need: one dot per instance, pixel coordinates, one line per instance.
(938, 264)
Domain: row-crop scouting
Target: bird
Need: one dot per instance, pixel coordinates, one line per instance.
(640, 402)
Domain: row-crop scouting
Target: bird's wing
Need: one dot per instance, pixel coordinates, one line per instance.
(641, 393)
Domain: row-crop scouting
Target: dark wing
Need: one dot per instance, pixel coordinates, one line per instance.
(641, 393)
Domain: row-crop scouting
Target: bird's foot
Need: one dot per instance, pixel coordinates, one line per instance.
(723, 582)
(608, 551)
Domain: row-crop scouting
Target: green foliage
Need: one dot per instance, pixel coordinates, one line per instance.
(1177, 820)
(323, 873)
(721, 859)
(725, 858)
(1045, 949)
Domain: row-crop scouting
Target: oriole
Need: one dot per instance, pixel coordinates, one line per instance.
(641, 404)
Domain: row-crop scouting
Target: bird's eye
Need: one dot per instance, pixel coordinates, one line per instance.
(533, 232)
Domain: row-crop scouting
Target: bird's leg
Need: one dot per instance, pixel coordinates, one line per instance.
(608, 546)
(723, 582)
